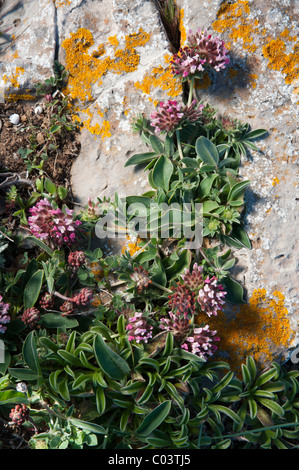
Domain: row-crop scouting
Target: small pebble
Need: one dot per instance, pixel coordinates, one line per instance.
(38, 110)
(14, 119)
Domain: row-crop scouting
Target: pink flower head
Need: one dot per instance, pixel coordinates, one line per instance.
(202, 52)
(168, 117)
(211, 296)
(182, 300)
(54, 225)
(138, 328)
(178, 325)
(171, 115)
(200, 342)
(193, 279)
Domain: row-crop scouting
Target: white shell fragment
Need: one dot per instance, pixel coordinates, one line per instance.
(14, 119)
(38, 110)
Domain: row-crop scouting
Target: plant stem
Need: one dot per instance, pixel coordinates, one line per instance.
(179, 143)
(191, 91)
(161, 287)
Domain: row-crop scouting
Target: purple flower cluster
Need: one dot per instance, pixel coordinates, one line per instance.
(196, 292)
(54, 225)
(209, 293)
(170, 115)
(138, 328)
(211, 296)
(202, 51)
(4, 318)
(200, 342)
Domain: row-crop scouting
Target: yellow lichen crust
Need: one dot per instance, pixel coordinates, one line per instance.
(259, 329)
(233, 17)
(132, 246)
(86, 68)
(161, 77)
(288, 64)
(13, 78)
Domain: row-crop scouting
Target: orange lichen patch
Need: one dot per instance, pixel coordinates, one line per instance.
(62, 3)
(233, 17)
(182, 28)
(113, 41)
(87, 69)
(161, 77)
(13, 97)
(13, 78)
(260, 329)
(97, 271)
(279, 60)
(137, 39)
(252, 80)
(132, 246)
(275, 181)
(125, 104)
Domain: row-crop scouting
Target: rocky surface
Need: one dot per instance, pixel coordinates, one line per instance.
(261, 87)
(27, 45)
(116, 53)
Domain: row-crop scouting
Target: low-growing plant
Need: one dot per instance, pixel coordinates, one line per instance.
(116, 352)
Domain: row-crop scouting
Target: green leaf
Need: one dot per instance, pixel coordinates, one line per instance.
(141, 158)
(168, 146)
(23, 374)
(207, 151)
(146, 395)
(68, 357)
(272, 405)
(100, 400)
(82, 379)
(209, 206)
(162, 173)
(12, 396)
(238, 238)
(223, 382)
(251, 367)
(55, 128)
(256, 134)
(237, 190)
(32, 289)
(53, 320)
(206, 184)
(62, 192)
(70, 346)
(253, 408)
(168, 345)
(49, 344)
(50, 186)
(235, 293)
(156, 144)
(154, 419)
(64, 390)
(30, 353)
(265, 377)
(91, 427)
(111, 363)
(227, 412)
(4, 365)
